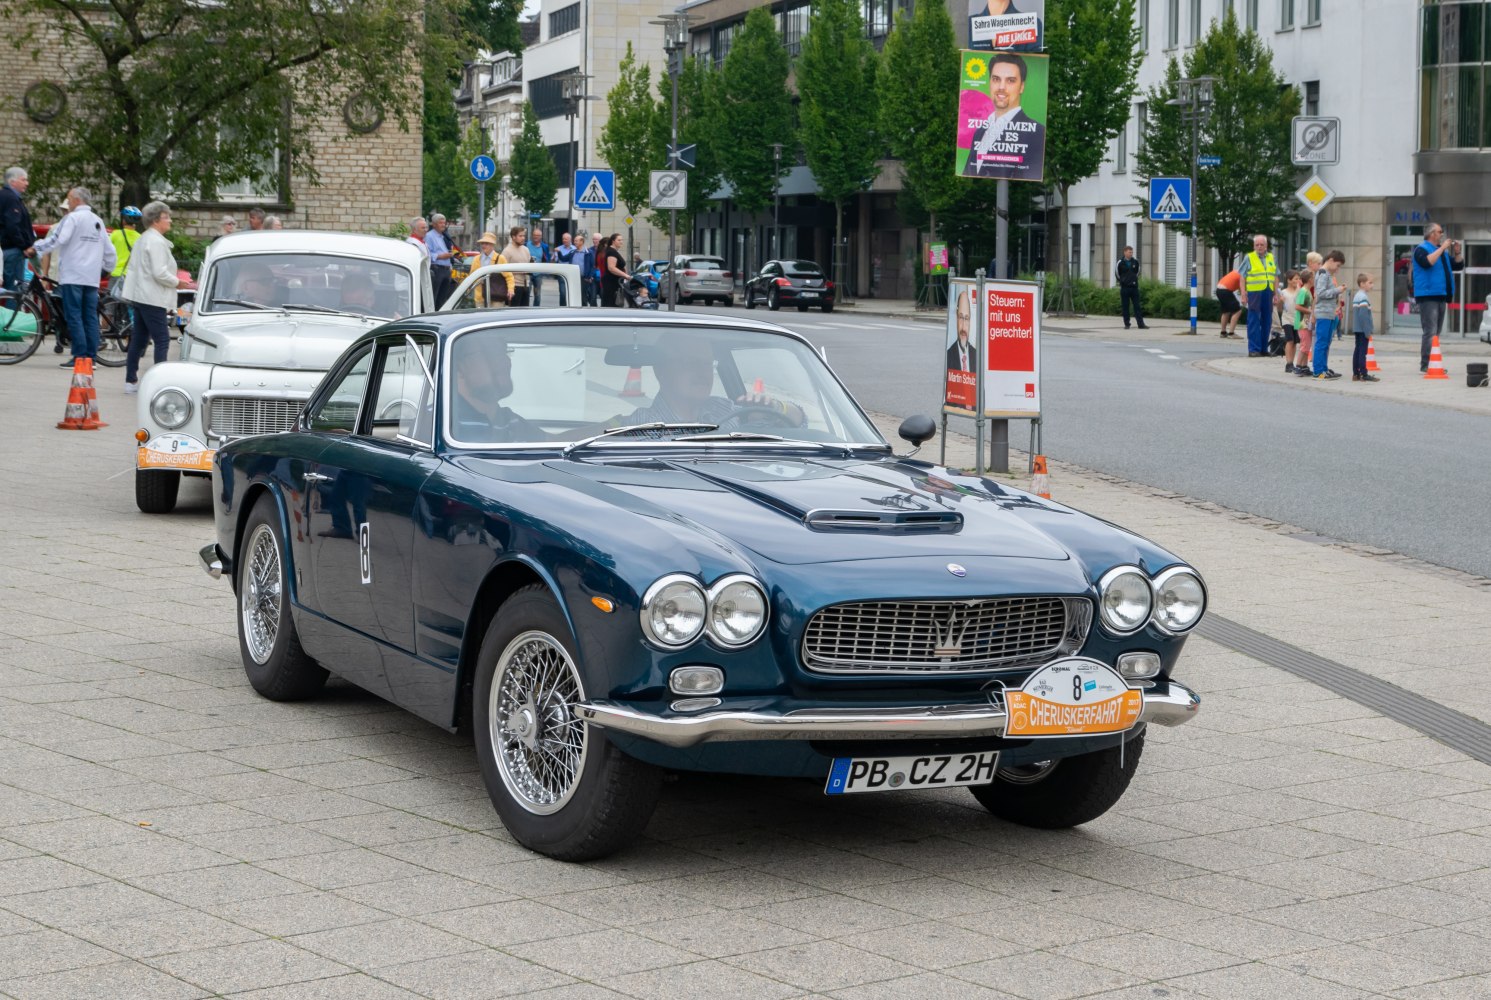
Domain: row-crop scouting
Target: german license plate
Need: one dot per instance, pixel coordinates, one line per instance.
(886, 774)
(810, 295)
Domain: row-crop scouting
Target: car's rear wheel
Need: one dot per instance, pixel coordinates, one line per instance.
(560, 786)
(750, 298)
(1053, 795)
(828, 307)
(156, 489)
(773, 300)
(276, 665)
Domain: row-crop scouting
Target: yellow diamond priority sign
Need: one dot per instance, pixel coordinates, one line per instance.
(1315, 194)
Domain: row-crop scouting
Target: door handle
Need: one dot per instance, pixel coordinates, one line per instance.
(315, 477)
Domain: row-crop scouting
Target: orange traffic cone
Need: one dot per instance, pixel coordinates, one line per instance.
(1436, 363)
(1040, 482)
(633, 385)
(76, 416)
(91, 421)
(1371, 357)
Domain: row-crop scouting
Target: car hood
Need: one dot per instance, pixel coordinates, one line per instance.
(799, 511)
(275, 339)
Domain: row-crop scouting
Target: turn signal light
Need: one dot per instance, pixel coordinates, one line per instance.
(142, 435)
(696, 680)
(1139, 665)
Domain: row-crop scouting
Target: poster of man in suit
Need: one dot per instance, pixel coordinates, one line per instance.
(1001, 116)
(1006, 24)
(962, 354)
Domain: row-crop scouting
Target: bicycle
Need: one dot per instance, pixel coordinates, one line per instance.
(38, 313)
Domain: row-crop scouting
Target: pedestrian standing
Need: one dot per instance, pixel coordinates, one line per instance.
(584, 259)
(86, 255)
(150, 286)
(1260, 277)
(256, 219)
(1228, 287)
(1327, 314)
(541, 252)
(1306, 301)
(491, 291)
(517, 252)
(1361, 328)
(597, 272)
(226, 227)
(1435, 262)
(418, 228)
(16, 232)
(613, 272)
(438, 245)
(1127, 273)
(1292, 319)
(124, 238)
(273, 222)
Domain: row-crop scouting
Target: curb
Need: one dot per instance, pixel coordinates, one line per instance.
(1222, 367)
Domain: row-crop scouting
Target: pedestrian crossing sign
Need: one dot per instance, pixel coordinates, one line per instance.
(1170, 199)
(595, 190)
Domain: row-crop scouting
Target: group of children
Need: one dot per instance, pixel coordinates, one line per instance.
(1312, 316)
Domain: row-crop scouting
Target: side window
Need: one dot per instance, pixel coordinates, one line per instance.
(337, 413)
(403, 403)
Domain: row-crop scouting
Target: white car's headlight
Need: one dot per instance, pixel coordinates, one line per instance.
(1180, 599)
(171, 408)
(673, 610)
(1125, 599)
(737, 611)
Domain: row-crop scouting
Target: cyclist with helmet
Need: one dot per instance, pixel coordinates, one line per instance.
(124, 239)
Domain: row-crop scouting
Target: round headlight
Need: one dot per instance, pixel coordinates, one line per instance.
(1180, 598)
(171, 408)
(1125, 599)
(673, 611)
(737, 611)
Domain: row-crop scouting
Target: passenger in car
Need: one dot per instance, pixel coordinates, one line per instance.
(255, 284)
(483, 378)
(685, 376)
(358, 295)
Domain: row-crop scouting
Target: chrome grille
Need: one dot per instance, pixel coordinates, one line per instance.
(944, 636)
(242, 416)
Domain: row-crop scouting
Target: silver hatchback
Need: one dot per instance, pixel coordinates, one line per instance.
(703, 278)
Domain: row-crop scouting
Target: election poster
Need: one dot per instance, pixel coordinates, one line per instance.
(937, 258)
(960, 393)
(1002, 116)
(1018, 25)
(1011, 346)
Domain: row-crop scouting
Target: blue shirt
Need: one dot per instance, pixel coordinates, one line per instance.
(436, 244)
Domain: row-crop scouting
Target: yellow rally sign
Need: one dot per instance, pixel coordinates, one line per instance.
(1073, 697)
(174, 451)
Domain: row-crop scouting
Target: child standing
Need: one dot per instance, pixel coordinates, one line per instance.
(1361, 326)
(1306, 301)
(1327, 313)
(1292, 318)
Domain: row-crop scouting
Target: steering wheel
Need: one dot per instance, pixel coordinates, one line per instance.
(747, 412)
(391, 408)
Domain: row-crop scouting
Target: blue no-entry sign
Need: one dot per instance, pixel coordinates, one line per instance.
(1170, 199)
(483, 167)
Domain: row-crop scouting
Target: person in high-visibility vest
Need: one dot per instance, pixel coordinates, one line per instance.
(124, 239)
(1260, 276)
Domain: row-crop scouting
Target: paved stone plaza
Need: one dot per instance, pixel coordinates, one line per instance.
(165, 833)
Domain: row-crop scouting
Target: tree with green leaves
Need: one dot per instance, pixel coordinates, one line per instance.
(755, 111)
(189, 97)
(918, 95)
(838, 110)
(698, 125)
(630, 131)
(1252, 191)
(535, 179)
(1095, 57)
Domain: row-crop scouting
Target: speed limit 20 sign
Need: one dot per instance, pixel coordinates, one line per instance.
(669, 189)
(1316, 141)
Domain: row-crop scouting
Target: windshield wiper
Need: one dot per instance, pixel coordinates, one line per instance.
(241, 302)
(735, 436)
(657, 425)
(312, 307)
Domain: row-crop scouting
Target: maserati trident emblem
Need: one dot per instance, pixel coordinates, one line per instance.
(950, 642)
(956, 570)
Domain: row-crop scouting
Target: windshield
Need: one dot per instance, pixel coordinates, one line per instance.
(310, 282)
(571, 382)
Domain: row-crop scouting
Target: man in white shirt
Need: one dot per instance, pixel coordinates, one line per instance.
(87, 255)
(417, 230)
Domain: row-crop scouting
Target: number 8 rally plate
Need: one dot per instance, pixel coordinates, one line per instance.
(1072, 697)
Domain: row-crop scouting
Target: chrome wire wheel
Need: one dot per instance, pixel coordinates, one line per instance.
(262, 594)
(539, 745)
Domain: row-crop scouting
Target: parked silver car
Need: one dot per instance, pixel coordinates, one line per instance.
(703, 278)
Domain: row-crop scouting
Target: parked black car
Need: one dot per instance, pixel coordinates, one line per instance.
(800, 283)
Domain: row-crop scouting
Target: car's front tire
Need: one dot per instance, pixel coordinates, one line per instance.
(750, 298)
(561, 788)
(156, 490)
(276, 665)
(773, 300)
(1062, 793)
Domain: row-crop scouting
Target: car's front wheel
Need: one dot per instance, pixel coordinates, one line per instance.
(156, 490)
(773, 300)
(1053, 795)
(276, 665)
(750, 298)
(559, 785)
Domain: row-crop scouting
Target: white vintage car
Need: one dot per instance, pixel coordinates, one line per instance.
(273, 311)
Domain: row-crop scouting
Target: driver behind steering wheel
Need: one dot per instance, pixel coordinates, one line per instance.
(685, 375)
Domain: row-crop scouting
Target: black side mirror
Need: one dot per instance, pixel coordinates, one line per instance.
(918, 429)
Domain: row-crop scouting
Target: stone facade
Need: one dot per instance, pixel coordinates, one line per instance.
(367, 182)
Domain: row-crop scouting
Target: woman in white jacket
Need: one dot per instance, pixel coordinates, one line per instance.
(150, 285)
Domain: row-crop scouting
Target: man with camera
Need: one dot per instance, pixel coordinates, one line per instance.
(1435, 262)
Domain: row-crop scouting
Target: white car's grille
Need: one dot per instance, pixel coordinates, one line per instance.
(243, 416)
(944, 636)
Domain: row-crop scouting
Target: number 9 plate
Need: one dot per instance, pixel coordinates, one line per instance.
(887, 774)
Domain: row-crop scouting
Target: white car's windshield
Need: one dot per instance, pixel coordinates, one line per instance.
(309, 282)
(569, 383)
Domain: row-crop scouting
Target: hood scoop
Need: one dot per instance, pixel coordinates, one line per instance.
(901, 522)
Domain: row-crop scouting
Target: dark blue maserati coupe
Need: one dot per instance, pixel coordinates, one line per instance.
(616, 545)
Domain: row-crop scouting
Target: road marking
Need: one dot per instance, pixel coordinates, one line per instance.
(1169, 357)
(846, 326)
(1154, 350)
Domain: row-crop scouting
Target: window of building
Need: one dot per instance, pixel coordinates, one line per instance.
(547, 94)
(1120, 240)
(1195, 21)
(699, 43)
(1312, 13)
(1286, 15)
(563, 164)
(793, 24)
(1141, 118)
(724, 37)
(880, 16)
(564, 20)
(1092, 248)
(1311, 103)
(1139, 244)
(1143, 24)
(1121, 150)
(1074, 258)
(1250, 15)
(1172, 23)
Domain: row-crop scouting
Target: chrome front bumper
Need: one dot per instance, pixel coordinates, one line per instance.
(1171, 707)
(214, 563)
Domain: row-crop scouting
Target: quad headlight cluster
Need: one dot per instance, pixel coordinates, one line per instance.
(1128, 599)
(676, 610)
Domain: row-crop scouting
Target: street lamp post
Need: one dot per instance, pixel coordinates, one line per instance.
(675, 40)
(1194, 98)
(776, 199)
(572, 92)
